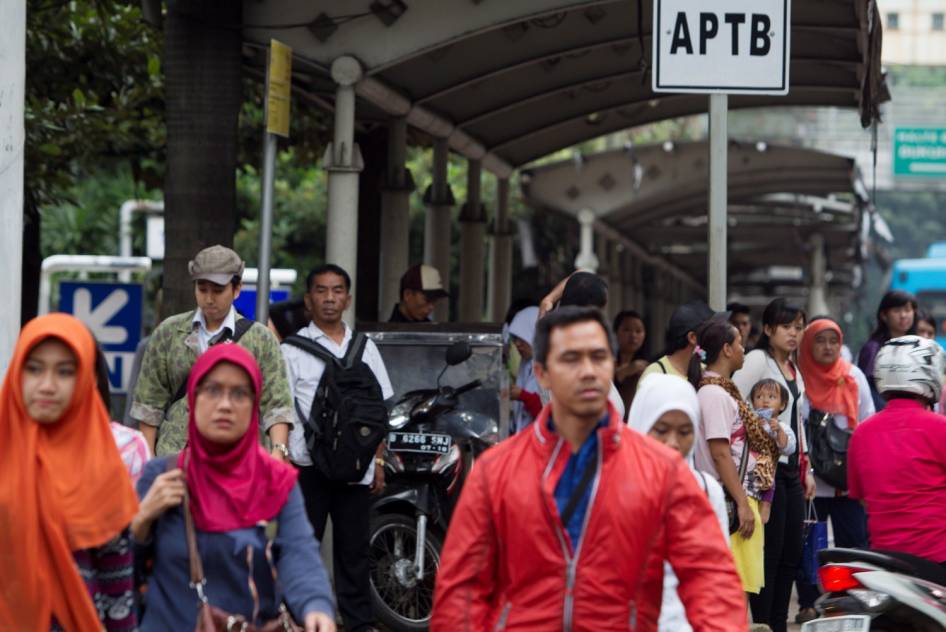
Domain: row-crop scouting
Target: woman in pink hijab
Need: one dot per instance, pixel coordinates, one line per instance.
(235, 489)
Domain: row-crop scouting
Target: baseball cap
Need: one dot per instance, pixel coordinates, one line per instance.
(426, 279)
(217, 264)
(688, 317)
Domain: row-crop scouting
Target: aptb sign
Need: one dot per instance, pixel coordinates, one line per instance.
(730, 46)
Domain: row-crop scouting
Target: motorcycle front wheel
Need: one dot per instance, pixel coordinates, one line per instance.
(401, 601)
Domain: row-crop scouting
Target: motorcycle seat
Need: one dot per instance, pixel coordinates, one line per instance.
(894, 561)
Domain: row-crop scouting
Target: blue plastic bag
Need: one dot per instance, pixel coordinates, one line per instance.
(816, 539)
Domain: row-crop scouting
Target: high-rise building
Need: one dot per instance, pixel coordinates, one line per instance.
(914, 32)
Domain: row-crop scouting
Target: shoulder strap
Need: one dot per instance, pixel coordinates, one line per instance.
(242, 326)
(663, 369)
(311, 347)
(356, 349)
(580, 489)
(196, 567)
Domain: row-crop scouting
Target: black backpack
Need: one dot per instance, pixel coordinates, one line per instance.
(348, 419)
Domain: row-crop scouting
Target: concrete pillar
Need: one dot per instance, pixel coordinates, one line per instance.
(615, 280)
(12, 135)
(817, 294)
(343, 162)
(500, 278)
(395, 219)
(586, 259)
(440, 201)
(472, 247)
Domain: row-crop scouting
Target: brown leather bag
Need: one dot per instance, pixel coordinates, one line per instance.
(212, 619)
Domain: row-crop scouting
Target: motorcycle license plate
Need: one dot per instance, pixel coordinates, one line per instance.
(846, 623)
(419, 442)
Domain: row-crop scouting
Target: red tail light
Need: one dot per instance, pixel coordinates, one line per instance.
(839, 578)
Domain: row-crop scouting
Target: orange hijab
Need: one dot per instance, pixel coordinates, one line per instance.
(829, 388)
(63, 488)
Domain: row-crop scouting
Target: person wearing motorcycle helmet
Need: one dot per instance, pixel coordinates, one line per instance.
(897, 458)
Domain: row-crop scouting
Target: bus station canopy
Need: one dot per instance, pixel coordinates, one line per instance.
(509, 82)
(779, 197)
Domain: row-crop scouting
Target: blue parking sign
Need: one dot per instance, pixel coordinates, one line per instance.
(113, 313)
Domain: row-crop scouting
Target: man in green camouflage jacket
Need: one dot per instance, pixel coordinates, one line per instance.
(176, 343)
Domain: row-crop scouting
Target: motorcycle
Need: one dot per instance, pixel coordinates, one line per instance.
(879, 591)
(428, 455)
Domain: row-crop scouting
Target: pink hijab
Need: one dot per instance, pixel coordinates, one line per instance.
(242, 486)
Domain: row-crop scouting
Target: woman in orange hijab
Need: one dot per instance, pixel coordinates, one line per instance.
(65, 496)
(837, 388)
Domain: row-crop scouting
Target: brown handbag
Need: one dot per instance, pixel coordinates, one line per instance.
(212, 619)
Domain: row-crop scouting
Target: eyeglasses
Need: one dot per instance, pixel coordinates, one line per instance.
(239, 395)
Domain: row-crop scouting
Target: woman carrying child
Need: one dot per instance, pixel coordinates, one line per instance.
(837, 388)
(782, 327)
(734, 434)
(770, 399)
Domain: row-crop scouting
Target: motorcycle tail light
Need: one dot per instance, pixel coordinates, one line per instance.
(839, 578)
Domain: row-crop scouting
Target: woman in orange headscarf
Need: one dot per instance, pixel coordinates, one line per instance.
(839, 389)
(65, 496)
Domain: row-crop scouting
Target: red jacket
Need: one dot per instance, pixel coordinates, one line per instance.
(508, 563)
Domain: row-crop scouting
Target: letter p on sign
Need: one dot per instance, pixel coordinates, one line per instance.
(730, 46)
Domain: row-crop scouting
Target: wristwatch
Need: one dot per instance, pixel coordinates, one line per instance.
(282, 447)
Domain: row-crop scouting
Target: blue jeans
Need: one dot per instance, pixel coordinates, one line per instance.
(849, 522)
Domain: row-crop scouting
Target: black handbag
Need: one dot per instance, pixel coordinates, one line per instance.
(732, 510)
(827, 448)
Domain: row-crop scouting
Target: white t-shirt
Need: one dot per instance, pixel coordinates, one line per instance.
(865, 408)
(305, 371)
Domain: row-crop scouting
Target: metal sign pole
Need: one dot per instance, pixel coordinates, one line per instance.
(278, 89)
(719, 159)
(266, 228)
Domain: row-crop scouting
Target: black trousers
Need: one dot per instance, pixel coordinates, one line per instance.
(849, 523)
(783, 545)
(350, 509)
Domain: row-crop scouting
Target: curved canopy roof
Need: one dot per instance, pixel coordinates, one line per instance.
(515, 80)
(656, 196)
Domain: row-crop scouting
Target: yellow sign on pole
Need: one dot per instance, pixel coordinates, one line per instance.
(278, 88)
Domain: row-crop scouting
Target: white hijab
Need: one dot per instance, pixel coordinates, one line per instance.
(662, 393)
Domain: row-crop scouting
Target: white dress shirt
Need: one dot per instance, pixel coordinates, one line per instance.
(204, 336)
(305, 372)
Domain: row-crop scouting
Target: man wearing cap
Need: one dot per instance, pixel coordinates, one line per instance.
(421, 288)
(681, 340)
(160, 402)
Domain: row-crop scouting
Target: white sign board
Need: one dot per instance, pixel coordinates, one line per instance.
(726, 46)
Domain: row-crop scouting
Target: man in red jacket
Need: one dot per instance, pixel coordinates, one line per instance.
(555, 526)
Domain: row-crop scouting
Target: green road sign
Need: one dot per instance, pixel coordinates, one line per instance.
(919, 151)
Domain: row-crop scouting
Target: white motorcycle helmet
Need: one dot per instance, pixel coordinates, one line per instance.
(911, 364)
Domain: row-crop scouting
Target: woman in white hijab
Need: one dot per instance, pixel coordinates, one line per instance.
(526, 389)
(666, 409)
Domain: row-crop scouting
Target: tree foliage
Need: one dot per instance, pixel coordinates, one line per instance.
(93, 94)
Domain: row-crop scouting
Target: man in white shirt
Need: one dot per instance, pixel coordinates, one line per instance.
(328, 295)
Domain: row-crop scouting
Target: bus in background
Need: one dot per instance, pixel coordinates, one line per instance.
(926, 280)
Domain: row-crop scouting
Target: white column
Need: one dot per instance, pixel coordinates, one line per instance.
(343, 162)
(395, 219)
(500, 278)
(586, 259)
(472, 247)
(718, 157)
(818, 293)
(616, 275)
(437, 229)
(12, 135)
